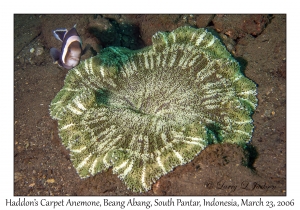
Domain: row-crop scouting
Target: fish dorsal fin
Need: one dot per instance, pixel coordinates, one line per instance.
(60, 33)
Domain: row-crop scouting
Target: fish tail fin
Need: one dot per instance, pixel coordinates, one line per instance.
(60, 33)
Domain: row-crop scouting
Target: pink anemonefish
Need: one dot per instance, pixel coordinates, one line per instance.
(71, 49)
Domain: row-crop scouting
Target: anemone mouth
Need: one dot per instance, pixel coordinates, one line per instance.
(145, 112)
(147, 96)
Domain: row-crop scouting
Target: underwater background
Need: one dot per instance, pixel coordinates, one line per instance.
(42, 164)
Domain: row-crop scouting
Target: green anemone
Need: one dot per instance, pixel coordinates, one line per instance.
(147, 111)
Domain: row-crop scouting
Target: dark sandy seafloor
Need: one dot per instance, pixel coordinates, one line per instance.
(42, 165)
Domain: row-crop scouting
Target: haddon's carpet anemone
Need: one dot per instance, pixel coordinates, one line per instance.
(147, 111)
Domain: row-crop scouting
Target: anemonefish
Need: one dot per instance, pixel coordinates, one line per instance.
(71, 49)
